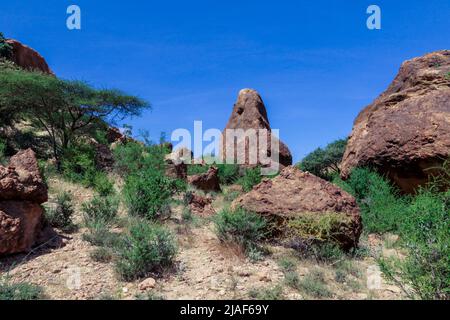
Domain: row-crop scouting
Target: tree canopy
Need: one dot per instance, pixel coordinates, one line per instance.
(65, 109)
(325, 162)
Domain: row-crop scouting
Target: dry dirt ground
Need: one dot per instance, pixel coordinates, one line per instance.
(205, 268)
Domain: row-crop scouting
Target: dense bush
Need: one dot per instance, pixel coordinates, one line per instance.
(381, 205)
(78, 164)
(100, 209)
(61, 215)
(6, 49)
(147, 248)
(228, 173)
(102, 184)
(19, 291)
(250, 178)
(324, 163)
(241, 227)
(424, 233)
(2, 151)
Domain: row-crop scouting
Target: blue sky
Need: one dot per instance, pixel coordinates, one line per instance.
(315, 63)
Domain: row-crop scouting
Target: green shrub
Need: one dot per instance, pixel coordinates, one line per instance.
(313, 284)
(381, 206)
(147, 248)
(6, 49)
(250, 178)
(99, 235)
(102, 255)
(228, 173)
(148, 193)
(195, 169)
(100, 209)
(424, 233)
(324, 163)
(78, 164)
(2, 151)
(61, 215)
(19, 291)
(275, 293)
(241, 227)
(102, 184)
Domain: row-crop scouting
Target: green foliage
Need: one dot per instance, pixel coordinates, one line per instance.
(64, 109)
(241, 227)
(2, 151)
(250, 178)
(100, 210)
(147, 248)
(381, 206)
(61, 216)
(228, 173)
(324, 163)
(313, 284)
(19, 291)
(424, 233)
(78, 164)
(195, 169)
(148, 193)
(102, 184)
(275, 293)
(102, 255)
(99, 235)
(6, 49)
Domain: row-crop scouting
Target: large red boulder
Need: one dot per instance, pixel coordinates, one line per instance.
(28, 58)
(22, 191)
(303, 204)
(249, 113)
(208, 181)
(405, 132)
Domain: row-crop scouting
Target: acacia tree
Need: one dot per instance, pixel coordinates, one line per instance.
(65, 109)
(325, 162)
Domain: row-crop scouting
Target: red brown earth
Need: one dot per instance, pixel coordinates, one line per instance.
(22, 191)
(201, 206)
(405, 132)
(249, 112)
(294, 193)
(28, 58)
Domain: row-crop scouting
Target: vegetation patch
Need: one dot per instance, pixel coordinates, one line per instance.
(19, 291)
(61, 215)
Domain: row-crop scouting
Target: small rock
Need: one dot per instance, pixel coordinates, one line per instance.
(148, 283)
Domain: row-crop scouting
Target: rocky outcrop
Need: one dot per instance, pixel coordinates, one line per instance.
(208, 181)
(302, 203)
(201, 206)
(175, 168)
(28, 58)
(22, 191)
(249, 112)
(405, 132)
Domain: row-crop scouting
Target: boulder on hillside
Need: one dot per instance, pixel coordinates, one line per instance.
(28, 58)
(249, 113)
(22, 191)
(208, 181)
(201, 206)
(22, 179)
(305, 207)
(405, 132)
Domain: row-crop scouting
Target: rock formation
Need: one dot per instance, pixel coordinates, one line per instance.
(405, 132)
(208, 181)
(201, 206)
(22, 191)
(249, 112)
(28, 58)
(296, 196)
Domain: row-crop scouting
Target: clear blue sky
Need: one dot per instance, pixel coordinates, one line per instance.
(315, 63)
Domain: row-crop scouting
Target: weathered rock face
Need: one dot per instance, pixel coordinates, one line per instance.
(405, 132)
(248, 113)
(28, 58)
(300, 196)
(175, 169)
(22, 190)
(22, 180)
(208, 181)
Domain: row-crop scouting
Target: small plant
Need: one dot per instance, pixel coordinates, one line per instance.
(61, 215)
(147, 248)
(99, 235)
(187, 216)
(230, 196)
(6, 50)
(148, 193)
(287, 264)
(241, 227)
(250, 179)
(313, 284)
(102, 255)
(19, 291)
(149, 296)
(275, 293)
(100, 210)
(228, 173)
(292, 279)
(103, 185)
